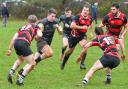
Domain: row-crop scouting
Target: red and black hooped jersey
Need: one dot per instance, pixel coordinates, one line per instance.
(82, 21)
(27, 32)
(106, 43)
(114, 24)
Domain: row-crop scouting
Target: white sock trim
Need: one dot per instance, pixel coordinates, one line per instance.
(86, 79)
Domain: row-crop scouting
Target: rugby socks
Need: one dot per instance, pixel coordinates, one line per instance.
(83, 58)
(20, 71)
(108, 77)
(63, 50)
(85, 80)
(11, 72)
(21, 78)
(65, 58)
(64, 61)
(38, 59)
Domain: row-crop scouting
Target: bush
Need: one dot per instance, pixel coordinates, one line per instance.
(40, 7)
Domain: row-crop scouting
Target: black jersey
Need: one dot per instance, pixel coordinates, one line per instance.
(49, 30)
(66, 20)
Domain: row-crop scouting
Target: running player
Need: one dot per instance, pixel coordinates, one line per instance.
(110, 58)
(79, 26)
(48, 25)
(21, 42)
(66, 19)
(114, 22)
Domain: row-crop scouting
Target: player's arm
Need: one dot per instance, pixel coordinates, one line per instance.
(39, 33)
(60, 19)
(121, 41)
(94, 42)
(77, 27)
(91, 32)
(101, 25)
(40, 29)
(125, 28)
(89, 44)
(11, 44)
(41, 26)
(58, 28)
(122, 50)
(104, 21)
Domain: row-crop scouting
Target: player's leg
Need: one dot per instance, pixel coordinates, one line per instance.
(82, 64)
(44, 53)
(72, 43)
(17, 63)
(65, 45)
(97, 65)
(112, 62)
(4, 18)
(108, 75)
(66, 57)
(31, 64)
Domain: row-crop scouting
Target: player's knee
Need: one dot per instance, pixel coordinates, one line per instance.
(33, 64)
(65, 46)
(70, 51)
(50, 53)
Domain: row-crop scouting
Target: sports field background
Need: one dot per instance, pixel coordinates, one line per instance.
(47, 74)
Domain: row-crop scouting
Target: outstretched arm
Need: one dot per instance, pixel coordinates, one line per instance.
(101, 25)
(89, 44)
(122, 50)
(10, 47)
(124, 32)
(91, 32)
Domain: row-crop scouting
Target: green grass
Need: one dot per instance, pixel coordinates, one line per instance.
(47, 74)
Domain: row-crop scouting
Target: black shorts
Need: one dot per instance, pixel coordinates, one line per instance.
(74, 40)
(66, 34)
(22, 48)
(40, 44)
(109, 61)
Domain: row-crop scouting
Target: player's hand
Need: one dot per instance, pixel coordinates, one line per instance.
(55, 26)
(9, 52)
(84, 27)
(123, 58)
(66, 25)
(91, 36)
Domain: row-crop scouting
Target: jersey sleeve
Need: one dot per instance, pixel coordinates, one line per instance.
(40, 24)
(95, 42)
(91, 20)
(125, 20)
(60, 19)
(105, 20)
(56, 21)
(75, 19)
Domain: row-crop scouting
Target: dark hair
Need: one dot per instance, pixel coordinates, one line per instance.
(52, 10)
(87, 6)
(116, 5)
(67, 9)
(98, 31)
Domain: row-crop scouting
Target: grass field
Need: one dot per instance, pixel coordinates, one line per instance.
(47, 74)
